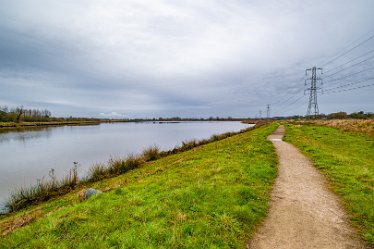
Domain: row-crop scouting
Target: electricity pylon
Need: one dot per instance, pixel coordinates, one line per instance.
(268, 111)
(313, 104)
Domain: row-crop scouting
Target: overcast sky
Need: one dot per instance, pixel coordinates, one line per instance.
(187, 58)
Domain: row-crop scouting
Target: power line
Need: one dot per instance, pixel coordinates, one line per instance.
(349, 75)
(349, 84)
(358, 57)
(284, 103)
(291, 97)
(350, 89)
(356, 64)
(331, 92)
(313, 89)
(341, 55)
(279, 103)
(352, 43)
(291, 104)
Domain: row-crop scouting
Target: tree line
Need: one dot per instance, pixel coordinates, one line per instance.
(18, 114)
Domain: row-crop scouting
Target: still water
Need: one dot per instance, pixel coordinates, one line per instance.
(29, 155)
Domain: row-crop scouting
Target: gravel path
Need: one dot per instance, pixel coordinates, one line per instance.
(303, 212)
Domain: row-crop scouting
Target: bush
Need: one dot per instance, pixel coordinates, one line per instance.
(132, 162)
(115, 166)
(152, 153)
(97, 173)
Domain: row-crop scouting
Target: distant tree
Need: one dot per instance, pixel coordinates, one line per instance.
(358, 115)
(46, 113)
(337, 115)
(19, 114)
(19, 111)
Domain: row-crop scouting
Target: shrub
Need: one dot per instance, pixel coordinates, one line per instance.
(115, 166)
(132, 162)
(187, 145)
(70, 181)
(97, 173)
(152, 153)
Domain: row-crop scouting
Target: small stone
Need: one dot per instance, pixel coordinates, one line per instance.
(90, 192)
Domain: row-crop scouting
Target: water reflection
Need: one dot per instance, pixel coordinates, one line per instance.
(24, 135)
(30, 155)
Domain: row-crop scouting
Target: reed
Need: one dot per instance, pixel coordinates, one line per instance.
(151, 154)
(42, 191)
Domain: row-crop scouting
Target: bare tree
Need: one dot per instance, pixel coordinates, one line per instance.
(19, 112)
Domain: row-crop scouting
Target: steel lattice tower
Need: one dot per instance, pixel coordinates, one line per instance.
(313, 104)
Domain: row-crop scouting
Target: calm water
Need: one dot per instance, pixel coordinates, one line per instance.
(29, 155)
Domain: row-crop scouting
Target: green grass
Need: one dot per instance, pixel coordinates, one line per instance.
(347, 160)
(209, 197)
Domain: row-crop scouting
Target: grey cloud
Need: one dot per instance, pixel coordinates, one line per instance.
(192, 58)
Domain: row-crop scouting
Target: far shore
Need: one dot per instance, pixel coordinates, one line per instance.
(21, 125)
(11, 126)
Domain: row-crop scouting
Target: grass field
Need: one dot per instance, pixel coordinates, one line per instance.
(363, 126)
(209, 197)
(347, 160)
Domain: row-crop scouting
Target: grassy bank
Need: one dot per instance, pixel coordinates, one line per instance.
(347, 161)
(208, 197)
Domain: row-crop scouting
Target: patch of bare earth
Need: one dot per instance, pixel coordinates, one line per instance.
(303, 212)
(7, 227)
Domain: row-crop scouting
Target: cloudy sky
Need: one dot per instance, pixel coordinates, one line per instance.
(151, 58)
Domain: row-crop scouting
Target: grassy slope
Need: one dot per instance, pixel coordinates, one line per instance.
(347, 160)
(209, 197)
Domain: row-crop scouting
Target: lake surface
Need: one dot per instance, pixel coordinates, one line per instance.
(29, 155)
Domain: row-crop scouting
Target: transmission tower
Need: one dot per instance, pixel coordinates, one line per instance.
(268, 111)
(313, 105)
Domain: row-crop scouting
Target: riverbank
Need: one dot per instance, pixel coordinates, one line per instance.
(212, 195)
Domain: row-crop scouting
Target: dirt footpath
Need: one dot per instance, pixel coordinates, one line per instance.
(303, 212)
